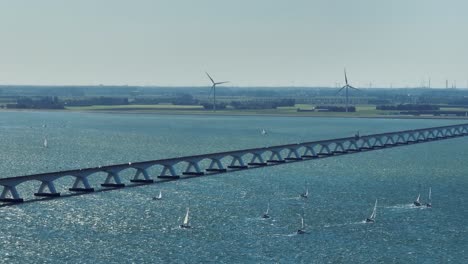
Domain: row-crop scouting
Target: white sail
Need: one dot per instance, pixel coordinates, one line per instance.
(417, 199)
(307, 191)
(186, 219)
(374, 212)
(430, 200)
(268, 209)
(302, 223)
(160, 195)
(264, 132)
(45, 143)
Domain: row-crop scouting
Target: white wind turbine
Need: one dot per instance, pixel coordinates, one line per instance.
(347, 86)
(213, 89)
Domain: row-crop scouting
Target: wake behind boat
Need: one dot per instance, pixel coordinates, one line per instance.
(371, 218)
(186, 223)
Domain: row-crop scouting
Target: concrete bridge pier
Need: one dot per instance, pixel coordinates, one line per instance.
(49, 185)
(411, 138)
(309, 152)
(293, 154)
(237, 162)
(276, 157)
(10, 194)
(366, 144)
(113, 179)
(339, 148)
(449, 133)
(142, 171)
(193, 168)
(378, 143)
(216, 165)
(389, 141)
(353, 146)
(81, 183)
(172, 173)
(440, 133)
(400, 140)
(257, 159)
(433, 135)
(324, 150)
(421, 137)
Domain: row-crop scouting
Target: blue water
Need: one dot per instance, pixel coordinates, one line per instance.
(126, 226)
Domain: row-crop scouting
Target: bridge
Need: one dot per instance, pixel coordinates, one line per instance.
(221, 162)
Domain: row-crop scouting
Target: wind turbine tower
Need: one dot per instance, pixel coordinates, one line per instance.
(213, 89)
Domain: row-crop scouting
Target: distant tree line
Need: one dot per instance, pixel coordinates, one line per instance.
(459, 101)
(88, 101)
(179, 99)
(255, 104)
(333, 108)
(406, 107)
(37, 103)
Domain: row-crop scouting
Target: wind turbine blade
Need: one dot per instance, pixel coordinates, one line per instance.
(220, 83)
(210, 77)
(345, 77)
(340, 89)
(354, 88)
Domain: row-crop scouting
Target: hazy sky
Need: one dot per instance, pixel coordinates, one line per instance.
(248, 42)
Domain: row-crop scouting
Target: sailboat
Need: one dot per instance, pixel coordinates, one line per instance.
(371, 218)
(306, 193)
(357, 136)
(301, 230)
(159, 197)
(266, 215)
(45, 143)
(264, 132)
(429, 204)
(417, 202)
(186, 223)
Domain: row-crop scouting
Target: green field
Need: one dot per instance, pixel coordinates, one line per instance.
(362, 110)
(134, 107)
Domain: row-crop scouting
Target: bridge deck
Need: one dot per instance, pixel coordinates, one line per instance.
(310, 150)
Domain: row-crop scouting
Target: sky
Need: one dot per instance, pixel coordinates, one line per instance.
(398, 43)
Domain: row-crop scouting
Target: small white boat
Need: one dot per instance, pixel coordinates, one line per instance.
(264, 132)
(417, 202)
(186, 223)
(301, 230)
(45, 143)
(266, 215)
(159, 197)
(306, 193)
(429, 204)
(371, 218)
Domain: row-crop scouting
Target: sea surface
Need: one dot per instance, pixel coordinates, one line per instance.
(127, 226)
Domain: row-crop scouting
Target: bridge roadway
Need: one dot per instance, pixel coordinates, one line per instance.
(221, 162)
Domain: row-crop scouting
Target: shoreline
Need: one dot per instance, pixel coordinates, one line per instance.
(237, 113)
